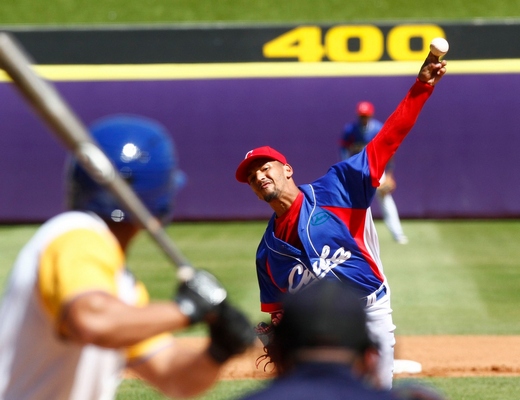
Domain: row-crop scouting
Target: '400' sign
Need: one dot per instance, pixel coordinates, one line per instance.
(353, 43)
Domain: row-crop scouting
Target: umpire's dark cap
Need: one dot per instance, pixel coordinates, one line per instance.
(325, 314)
(260, 152)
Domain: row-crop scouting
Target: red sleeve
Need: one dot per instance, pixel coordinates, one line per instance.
(381, 149)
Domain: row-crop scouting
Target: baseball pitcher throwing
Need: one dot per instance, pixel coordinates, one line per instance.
(325, 230)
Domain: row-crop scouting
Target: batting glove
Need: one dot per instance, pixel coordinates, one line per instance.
(200, 296)
(231, 333)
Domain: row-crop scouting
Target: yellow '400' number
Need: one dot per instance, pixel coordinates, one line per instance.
(305, 43)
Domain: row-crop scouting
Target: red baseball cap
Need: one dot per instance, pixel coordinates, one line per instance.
(365, 108)
(252, 155)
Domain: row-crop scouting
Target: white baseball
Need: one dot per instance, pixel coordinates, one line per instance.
(439, 46)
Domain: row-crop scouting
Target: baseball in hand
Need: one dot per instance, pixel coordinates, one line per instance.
(439, 46)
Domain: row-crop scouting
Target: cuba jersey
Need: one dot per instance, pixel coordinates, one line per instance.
(335, 224)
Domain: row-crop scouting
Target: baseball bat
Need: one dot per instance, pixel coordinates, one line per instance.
(68, 128)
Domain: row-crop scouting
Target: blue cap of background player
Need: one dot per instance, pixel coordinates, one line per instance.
(265, 152)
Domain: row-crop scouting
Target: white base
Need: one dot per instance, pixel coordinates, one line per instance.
(407, 367)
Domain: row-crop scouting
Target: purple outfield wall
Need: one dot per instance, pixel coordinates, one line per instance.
(460, 160)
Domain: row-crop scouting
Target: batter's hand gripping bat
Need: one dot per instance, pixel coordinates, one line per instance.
(55, 111)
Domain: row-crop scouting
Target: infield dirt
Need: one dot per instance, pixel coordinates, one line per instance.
(440, 356)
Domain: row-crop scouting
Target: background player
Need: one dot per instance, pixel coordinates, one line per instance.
(324, 230)
(354, 138)
(73, 317)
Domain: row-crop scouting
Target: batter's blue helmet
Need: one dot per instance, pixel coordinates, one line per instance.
(144, 154)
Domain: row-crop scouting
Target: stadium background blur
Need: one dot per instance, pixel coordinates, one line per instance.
(466, 268)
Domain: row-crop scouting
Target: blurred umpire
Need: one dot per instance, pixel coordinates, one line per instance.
(73, 317)
(322, 349)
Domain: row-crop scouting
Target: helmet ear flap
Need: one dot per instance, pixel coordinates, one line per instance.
(143, 152)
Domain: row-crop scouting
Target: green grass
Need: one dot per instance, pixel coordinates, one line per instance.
(472, 388)
(132, 389)
(477, 388)
(227, 250)
(64, 12)
(481, 388)
(454, 277)
(467, 267)
(12, 239)
(456, 388)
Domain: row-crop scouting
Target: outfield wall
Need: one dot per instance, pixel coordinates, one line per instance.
(460, 160)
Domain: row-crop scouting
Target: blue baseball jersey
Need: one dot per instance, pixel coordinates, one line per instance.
(358, 134)
(335, 225)
(355, 132)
